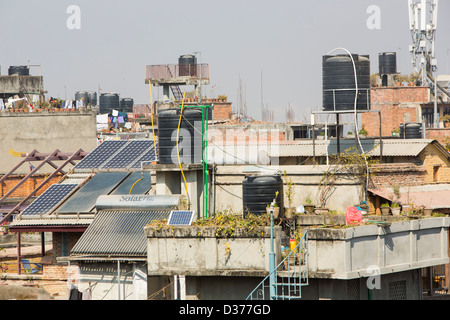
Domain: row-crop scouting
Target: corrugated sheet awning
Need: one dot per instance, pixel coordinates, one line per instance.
(117, 233)
(427, 196)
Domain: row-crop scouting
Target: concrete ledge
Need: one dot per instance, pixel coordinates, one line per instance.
(210, 251)
(360, 251)
(207, 232)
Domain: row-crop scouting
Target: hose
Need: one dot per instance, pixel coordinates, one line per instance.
(178, 149)
(133, 185)
(356, 115)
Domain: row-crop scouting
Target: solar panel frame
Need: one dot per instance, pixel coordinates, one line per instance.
(126, 156)
(180, 218)
(49, 199)
(101, 154)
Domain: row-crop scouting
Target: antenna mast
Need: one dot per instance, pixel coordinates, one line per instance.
(423, 24)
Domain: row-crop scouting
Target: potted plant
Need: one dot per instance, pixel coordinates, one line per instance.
(396, 132)
(395, 209)
(363, 132)
(308, 205)
(290, 210)
(276, 209)
(385, 209)
(446, 120)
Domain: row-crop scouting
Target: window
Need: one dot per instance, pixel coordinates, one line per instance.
(428, 115)
(64, 244)
(436, 173)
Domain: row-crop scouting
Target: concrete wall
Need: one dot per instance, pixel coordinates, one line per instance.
(44, 132)
(16, 84)
(200, 252)
(356, 252)
(103, 278)
(396, 286)
(345, 192)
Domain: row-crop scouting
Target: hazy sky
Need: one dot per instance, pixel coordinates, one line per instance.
(239, 39)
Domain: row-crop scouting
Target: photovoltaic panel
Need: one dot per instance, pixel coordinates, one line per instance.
(180, 218)
(148, 155)
(128, 154)
(100, 154)
(49, 199)
(83, 201)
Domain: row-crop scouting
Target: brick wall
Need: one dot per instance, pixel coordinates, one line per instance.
(440, 134)
(390, 174)
(72, 238)
(396, 104)
(29, 185)
(436, 164)
(222, 111)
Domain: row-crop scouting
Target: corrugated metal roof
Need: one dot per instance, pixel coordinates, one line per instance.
(27, 222)
(117, 233)
(244, 153)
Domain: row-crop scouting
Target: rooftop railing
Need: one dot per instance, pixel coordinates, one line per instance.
(171, 71)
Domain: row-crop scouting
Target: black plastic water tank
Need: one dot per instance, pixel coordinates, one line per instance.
(190, 135)
(126, 104)
(109, 102)
(92, 98)
(259, 191)
(82, 95)
(19, 70)
(387, 62)
(188, 65)
(338, 76)
(412, 130)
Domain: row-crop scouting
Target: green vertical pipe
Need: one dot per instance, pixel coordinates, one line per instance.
(203, 158)
(205, 165)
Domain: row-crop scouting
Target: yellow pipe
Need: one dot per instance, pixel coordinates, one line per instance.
(133, 185)
(178, 150)
(151, 113)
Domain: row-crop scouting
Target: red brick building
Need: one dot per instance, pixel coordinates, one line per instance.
(397, 105)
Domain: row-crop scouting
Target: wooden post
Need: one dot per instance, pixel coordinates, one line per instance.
(18, 252)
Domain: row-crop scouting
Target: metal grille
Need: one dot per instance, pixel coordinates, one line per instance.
(397, 290)
(353, 289)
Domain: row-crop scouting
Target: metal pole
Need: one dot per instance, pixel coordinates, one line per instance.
(436, 115)
(272, 278)
(118, 278)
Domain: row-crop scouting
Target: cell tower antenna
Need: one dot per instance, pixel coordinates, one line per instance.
(423, 25)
